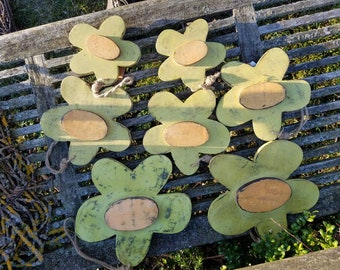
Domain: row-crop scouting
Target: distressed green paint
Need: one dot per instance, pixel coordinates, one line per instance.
(170, 110)
(86, 62)
(275, 160)
(116, 182)
(193, 75)
(269, 69)
(79, 97)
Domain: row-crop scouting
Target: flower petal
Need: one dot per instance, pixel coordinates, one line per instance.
(274, 223)
(193, 77)
(147, 179)
(229, 110)
(186, 159)
(129, 54)
(81, 152)
(113, 26)
(169, 70)
(50, 123)
(197, 30)
(273, 64)
(215, 56)
(236, 73)
(219, 137)
(279, 158)
(168, 40)
(233, 171)
(86, 63)
(226, 217)
(114, 105)
(298, 94)
(166, 107)
(153, 141)
(132, 247)
(152, 174)
(199, 105)
(174, 213)
(110, 175)
(90, 222)
(305, 196)
(267, 124)
(79, 34)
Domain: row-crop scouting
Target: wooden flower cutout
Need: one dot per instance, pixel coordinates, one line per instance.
(186, 130)
(189, 55)
(103, 50)
(87, 122)
(130, 207)
(259, 94)
(259, 194)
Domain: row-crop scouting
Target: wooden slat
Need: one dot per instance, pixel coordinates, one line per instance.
(303, 36)
(17, 71)
(15, 88)
(299, 21)
(248, 33)
(139, 18)
(288, 9)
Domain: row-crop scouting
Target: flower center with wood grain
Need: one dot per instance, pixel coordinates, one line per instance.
(263, 195)
(186, 134)
(131, 214)
(84, 125)
(262, 95)
(102, 47)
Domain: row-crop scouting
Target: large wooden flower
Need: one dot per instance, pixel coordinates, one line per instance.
(130, 207)
(102, 50)
(186, 130)
(189, 55)
(259, 94)
(259, 192)
(87, 122)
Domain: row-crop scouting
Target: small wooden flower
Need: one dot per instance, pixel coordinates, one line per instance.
(186, 130)
(189, 55)
(130, 207)
(102, 50)
(87, 122)
(259, 194)
(259, 94)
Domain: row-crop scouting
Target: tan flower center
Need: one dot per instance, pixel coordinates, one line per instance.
(185, 134)
(131, 214)
(262, 95)
(102, 47)
(84, 125)
(191, 52)
(263, 195)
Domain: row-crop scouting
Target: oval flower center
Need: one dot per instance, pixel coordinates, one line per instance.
(262, 95)
(263, 195)
(84, 125)
(185, 134)
(190, 53)
(131, 214)
(102, 47)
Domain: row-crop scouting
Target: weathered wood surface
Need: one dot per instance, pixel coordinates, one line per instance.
(31, 86)
(322, 260)
(139, 18)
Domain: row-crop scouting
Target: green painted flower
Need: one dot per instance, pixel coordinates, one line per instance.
(259, 194)
(259, 94)
(103, 50)
(87, 122)
(186, 130)
(130, 208)
(189, 54)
